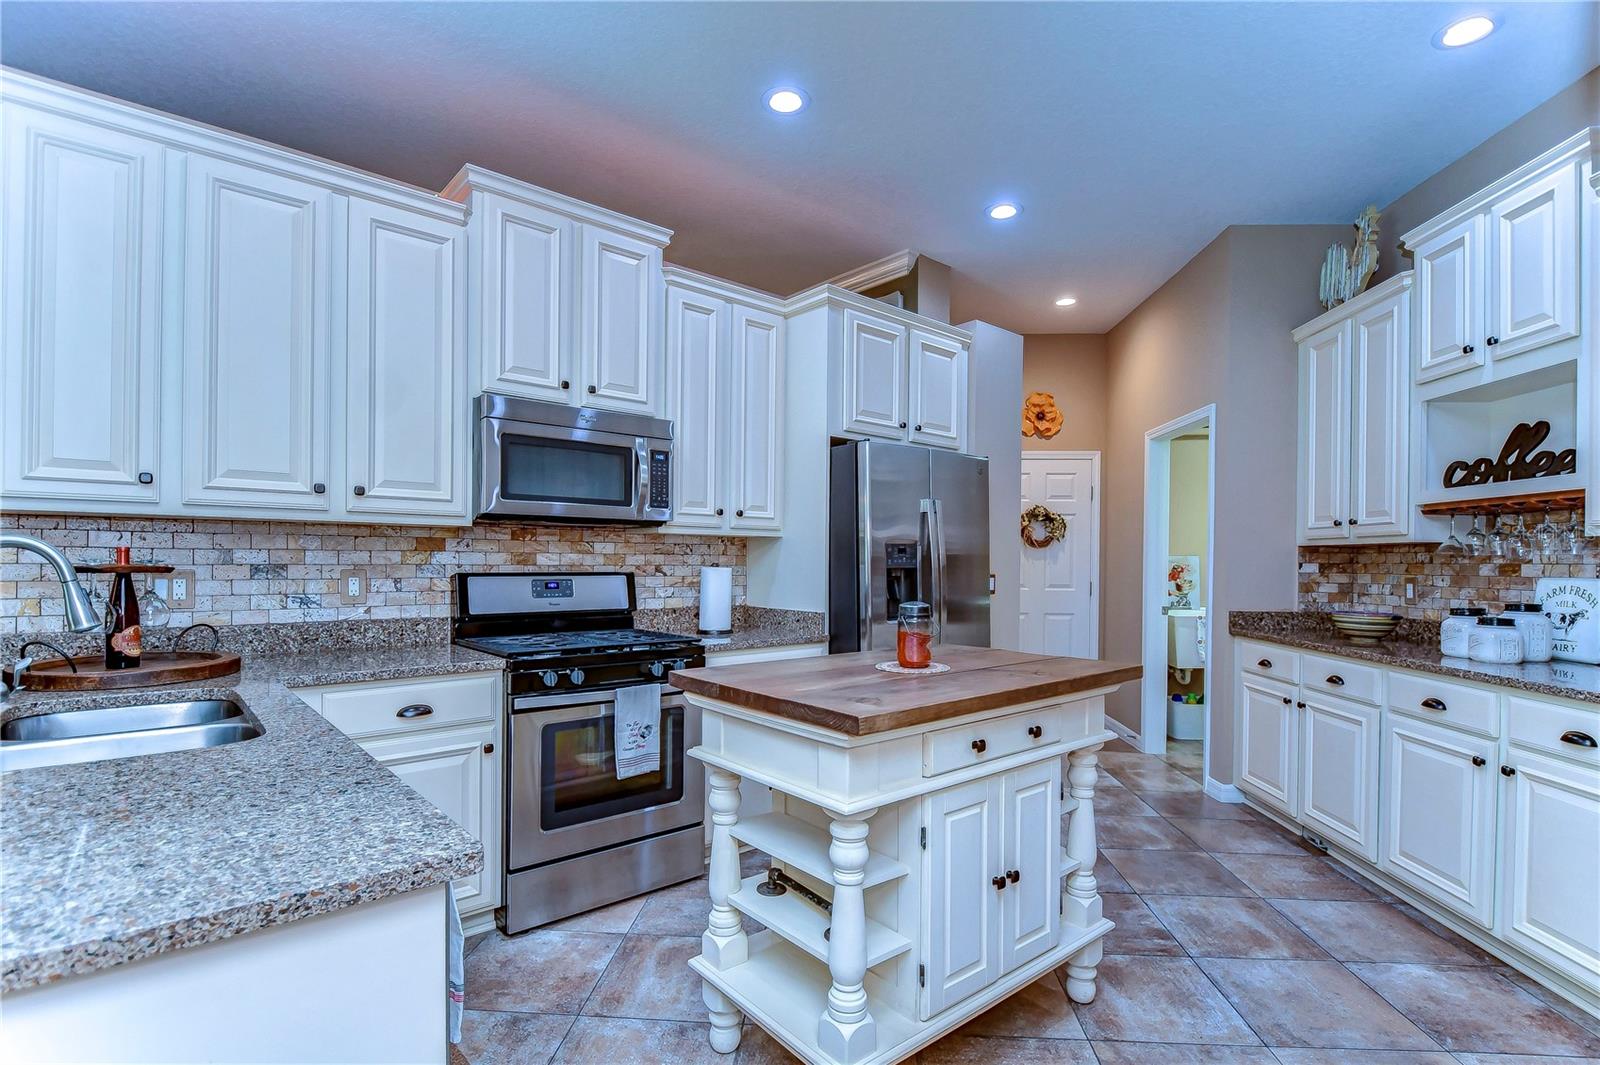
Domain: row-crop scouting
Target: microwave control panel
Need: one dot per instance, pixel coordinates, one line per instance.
(660, 481)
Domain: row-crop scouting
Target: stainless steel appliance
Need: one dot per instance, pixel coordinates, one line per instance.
(906, 523)
(576, 837)
(575, 464)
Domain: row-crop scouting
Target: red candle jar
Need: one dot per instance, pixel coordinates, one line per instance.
(914, 642)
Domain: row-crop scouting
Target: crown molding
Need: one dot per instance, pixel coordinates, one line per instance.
(889, 268)
(1356, 304)
(720, 288)
(830, 295)
(471, 178)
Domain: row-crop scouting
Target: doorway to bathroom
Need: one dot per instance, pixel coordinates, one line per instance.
(1180, 478)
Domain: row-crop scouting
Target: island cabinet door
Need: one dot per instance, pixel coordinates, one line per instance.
(1030, 903)
(962, 923)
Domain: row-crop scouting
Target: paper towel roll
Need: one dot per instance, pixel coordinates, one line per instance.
(716, 600)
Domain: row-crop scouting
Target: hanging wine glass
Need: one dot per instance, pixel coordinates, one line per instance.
(1477, 539)
(1547, 536)
(1518, 544)
(1452, 550)
(1496, 541)
(1572, 541)
(154, 613)
(97, 597)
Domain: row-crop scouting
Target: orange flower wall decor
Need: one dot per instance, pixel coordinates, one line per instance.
(1040, 416)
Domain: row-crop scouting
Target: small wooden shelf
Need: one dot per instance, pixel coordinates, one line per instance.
(803, 924)
(794, 842)
(1527, 503)
(132, 567)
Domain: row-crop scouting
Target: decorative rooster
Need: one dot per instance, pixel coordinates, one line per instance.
(1346, 271)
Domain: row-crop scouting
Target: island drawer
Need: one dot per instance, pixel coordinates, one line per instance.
(1341, 677)
(1565, 731)
(1474, 709)
(949, 749)
(1269, 660)
(410, 705)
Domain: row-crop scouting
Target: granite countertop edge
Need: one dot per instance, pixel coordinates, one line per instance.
(1306, 633)
(326, 827)
(754, 627)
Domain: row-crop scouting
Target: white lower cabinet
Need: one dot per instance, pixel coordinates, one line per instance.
(993, 874)
(1269, 724)
(1339, 753)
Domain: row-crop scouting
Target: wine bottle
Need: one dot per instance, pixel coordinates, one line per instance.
(122, 618)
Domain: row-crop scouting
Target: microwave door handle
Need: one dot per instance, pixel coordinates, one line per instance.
(641, 495)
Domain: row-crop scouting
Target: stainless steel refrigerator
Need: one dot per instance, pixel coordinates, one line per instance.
(906, 523)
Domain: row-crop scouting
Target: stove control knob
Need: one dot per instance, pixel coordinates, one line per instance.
(657, 668)
(549, 678)
(576, 675)
(681, 663)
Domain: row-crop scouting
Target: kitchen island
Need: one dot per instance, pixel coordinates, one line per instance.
(919, 871)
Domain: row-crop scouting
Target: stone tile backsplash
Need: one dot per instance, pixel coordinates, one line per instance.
(1374, 577)
(252, 572)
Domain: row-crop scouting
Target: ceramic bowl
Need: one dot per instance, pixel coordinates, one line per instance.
(1365, 628)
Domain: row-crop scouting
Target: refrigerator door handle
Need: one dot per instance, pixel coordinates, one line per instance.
(930, 509)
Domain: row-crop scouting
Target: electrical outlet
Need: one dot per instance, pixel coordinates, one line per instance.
(1411, 590)
(352, 587)
(176, 589)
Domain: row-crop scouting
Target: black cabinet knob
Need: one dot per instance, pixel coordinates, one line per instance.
(719, 512)
(360, 489)
(1491, 341)
(1479, 760)
(1036, 731)
(919, 427)
(488, 748)
(902, 425)
(591, 390)
(1507, 771)
(1337, 524)
(980, 745)
(1467, 349)
(738, 513)
(999, 882)
(319, 488)
(1013, 875)
(1287, 700)
(1354, 522)
(566, 384)
(1299, 706)
(1578, 739)
(147, 478)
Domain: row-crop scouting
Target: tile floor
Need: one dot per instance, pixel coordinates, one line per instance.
(1234, 946)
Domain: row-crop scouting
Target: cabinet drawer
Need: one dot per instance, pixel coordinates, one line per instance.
(409, 706)
(956, 748)
(1269, 660)
(1452, 704)
(1341, 677)
(1540, 726)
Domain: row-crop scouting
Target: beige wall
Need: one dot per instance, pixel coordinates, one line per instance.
(1186, 530)
(1071, 367)
(1547, 125)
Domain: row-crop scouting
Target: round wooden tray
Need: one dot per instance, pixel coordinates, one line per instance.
(157, 667)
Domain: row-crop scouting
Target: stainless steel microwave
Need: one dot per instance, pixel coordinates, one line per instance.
(551, 462)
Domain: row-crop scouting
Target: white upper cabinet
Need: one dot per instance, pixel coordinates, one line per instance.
(405, 368)
(257, 337)
(874, 376)
(938, 390)
(1533, 279)
(1355, 395)
(82, 290)
(725, 391)
(1449, 269)
(566, 298)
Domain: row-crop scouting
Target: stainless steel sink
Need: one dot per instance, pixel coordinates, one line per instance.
(121, 732)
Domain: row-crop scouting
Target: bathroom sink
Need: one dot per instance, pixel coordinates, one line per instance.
(121, 732)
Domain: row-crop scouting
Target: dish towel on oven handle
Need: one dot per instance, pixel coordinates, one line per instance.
(455, 960)
(638, 730)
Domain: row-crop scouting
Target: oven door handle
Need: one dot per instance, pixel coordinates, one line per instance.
(521, 704)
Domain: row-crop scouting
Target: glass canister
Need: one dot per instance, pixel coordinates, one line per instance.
(914, 642)
(1455, 632)
(1496, 640)
(1538, 634)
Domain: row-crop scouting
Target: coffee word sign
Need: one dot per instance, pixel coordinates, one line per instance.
(1519, 460)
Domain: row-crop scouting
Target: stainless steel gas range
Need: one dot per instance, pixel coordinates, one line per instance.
(576, 836)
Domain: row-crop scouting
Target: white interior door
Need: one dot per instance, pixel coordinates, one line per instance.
(1059, 611)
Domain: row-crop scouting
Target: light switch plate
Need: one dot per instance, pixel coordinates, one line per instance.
(352, 586)
(176, 589)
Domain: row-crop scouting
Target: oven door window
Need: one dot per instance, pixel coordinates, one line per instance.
(566, 471)
(579, 764)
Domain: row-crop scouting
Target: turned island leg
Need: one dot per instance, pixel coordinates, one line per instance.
(724, 943)
(1081, 907)
(846, 1031)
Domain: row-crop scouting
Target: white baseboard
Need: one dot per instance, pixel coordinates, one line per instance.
(1223, 792)
(1122, 730)
(478, 922)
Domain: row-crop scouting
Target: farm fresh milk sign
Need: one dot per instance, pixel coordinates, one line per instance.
(1573, 607)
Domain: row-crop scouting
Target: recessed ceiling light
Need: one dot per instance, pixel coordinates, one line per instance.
(1066, 301)
(1002, 211)
(1466, 31)
(787, 101)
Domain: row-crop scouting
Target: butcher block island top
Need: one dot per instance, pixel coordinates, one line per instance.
(848, 693)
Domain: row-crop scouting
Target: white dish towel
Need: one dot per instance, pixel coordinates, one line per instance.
(638, 730)
(455, 957)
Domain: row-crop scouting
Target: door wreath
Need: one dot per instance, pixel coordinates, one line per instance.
(1055, 526)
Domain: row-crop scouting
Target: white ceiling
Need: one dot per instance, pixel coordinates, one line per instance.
(1131, 133)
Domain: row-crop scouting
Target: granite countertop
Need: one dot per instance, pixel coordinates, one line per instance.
(847, 693)
(107, 862)
(1415, 645)
(753, 627)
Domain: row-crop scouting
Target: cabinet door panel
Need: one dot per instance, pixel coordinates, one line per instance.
(1380, 457)
(1339, 772)
(963, 853)
(1030, 906)
(873, 378)
(938, 390)
(756, 444)
(1551, 864)
(617, 301)
(1325, 434)
(1269, 722)
(256, 337)
(524, 320)
(1533, 237)
(1449, 303)
(82, 276)
(447, 767)
(697, 332)
(1438, 823)
(405, 402)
